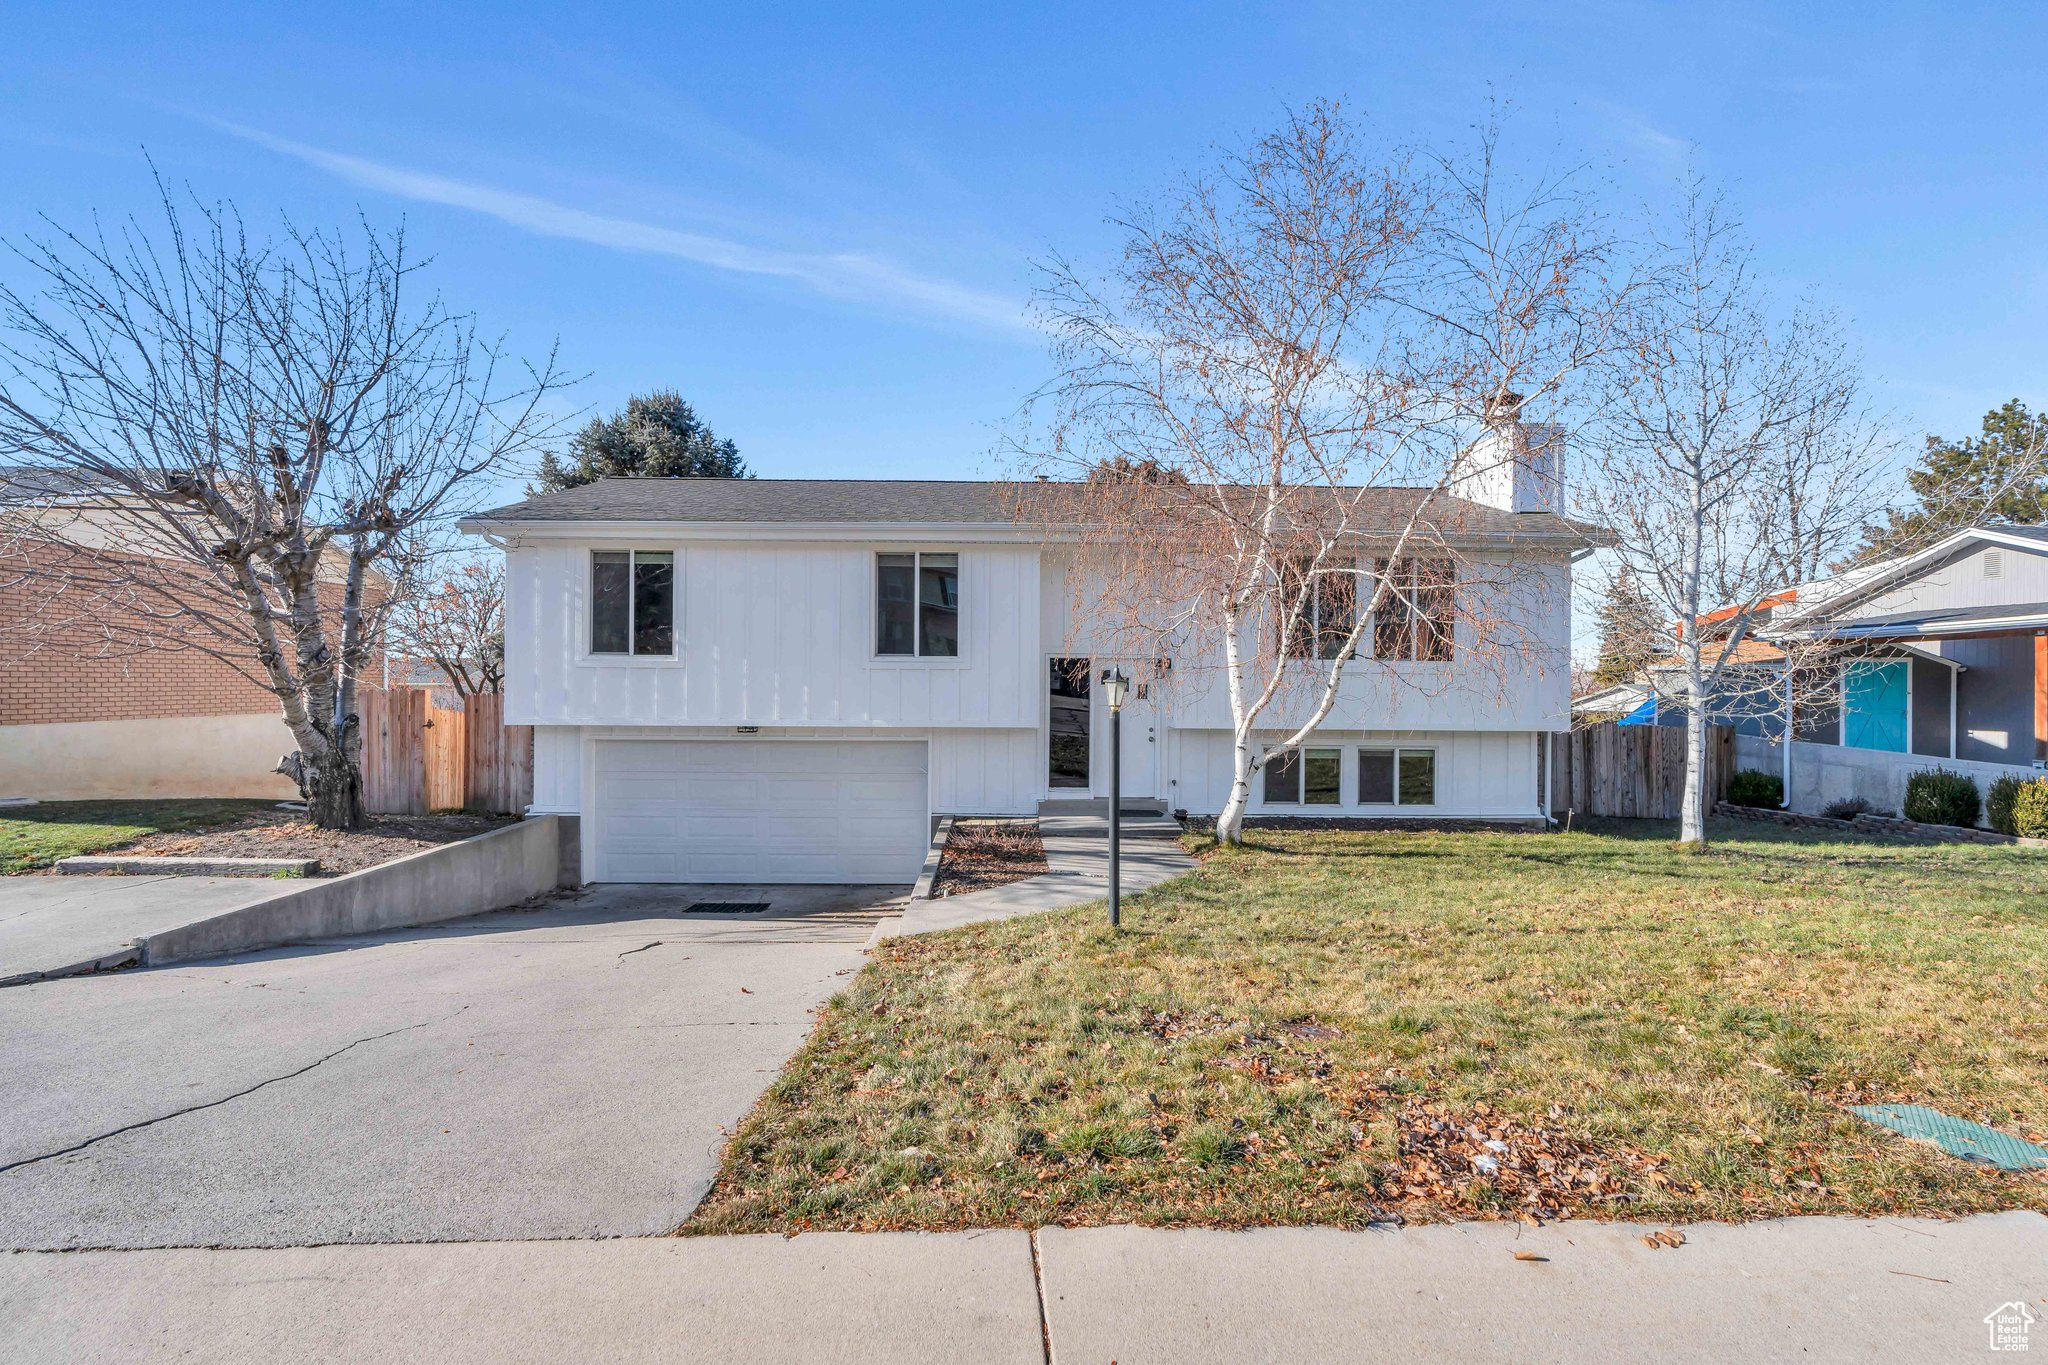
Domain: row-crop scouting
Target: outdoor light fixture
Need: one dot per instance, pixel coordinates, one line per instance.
(1115, 686)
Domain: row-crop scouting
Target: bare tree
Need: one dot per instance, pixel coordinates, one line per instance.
(455, 620)
(252, 435)
(1263, 417)
(1736, 458)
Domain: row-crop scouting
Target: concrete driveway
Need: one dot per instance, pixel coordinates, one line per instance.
(563, 1071)
(54, 926)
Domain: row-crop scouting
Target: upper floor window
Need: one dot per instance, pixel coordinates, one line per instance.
(1417, 615)
(917, 605)
(633, 602)
(1327, 612)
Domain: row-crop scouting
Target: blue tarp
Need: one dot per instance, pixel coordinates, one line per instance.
(1646, 714)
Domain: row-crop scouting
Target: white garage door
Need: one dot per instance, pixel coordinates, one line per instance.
(760, 811)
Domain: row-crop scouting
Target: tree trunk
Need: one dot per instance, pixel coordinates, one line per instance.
(1230, 824)
(335, 775)
(1692, 812)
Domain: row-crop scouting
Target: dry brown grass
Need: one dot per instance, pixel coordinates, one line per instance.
(1329, 1027)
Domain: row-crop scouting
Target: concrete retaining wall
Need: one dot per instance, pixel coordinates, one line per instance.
(1822, 773)
(488, 872)
(122, 759)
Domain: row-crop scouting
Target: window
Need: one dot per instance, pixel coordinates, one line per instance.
(917, 605)
(633, 602)
(1327, 614)
(1403, 777)
(1310, 777)
(1067, 725)
(1322, 777)
(1283, 779)
(1417, 617)
(1418, 778)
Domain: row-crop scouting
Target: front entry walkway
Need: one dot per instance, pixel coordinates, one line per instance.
(1077, 855)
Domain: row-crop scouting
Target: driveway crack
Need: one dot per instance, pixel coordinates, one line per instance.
(214, 1104)
(641, 949)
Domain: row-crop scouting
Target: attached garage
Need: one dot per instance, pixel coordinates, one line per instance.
(760, 811)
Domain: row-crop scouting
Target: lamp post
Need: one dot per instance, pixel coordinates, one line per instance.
(1114, 687)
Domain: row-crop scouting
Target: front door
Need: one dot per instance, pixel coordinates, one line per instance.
(1140, 735)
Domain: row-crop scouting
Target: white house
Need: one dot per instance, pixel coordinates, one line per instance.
(785, 680)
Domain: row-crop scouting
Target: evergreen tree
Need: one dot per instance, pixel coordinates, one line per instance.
(1632, 634)
(658, 436)
(2001, 475)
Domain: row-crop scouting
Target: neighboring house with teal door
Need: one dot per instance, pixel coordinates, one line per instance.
(1934, 659)
(1940, 655)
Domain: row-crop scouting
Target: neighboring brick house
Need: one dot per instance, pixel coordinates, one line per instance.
(95, 701)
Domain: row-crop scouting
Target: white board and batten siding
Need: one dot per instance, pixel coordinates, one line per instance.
(1479, 774)
(772, 634)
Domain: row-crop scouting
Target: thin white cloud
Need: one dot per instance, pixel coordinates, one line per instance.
(1671, 152)
(850, 275)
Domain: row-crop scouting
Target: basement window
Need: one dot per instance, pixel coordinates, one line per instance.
(1397, 777)
(633, 602)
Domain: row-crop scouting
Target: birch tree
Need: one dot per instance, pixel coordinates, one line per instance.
(1259, 414)
(241, 439)
(1736, 457)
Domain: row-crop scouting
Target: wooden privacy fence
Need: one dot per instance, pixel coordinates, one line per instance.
(420, 757)
(1636, 771)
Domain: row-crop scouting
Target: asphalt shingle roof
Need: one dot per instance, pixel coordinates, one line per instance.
(922, 501)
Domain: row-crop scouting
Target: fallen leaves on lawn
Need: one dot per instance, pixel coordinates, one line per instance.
(1486, 1159)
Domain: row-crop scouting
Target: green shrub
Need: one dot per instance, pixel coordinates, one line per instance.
(1940, 797)
(1998, 802)
(1848, 808)
(1752, 787)
(2030, 809)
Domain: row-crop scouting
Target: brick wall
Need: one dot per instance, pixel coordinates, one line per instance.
(75, 657)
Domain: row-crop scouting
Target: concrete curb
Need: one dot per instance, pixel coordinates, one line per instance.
(929, 873)
(189, 867)
(489, 872)
(121, 957)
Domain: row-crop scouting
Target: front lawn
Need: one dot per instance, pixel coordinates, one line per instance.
(35, 837)
(1339, 1027)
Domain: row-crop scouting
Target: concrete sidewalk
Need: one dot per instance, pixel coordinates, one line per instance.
(1077, 859)
(61, 926)
(1809, 1289)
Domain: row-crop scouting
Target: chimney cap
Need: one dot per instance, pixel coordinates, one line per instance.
(1503, 405)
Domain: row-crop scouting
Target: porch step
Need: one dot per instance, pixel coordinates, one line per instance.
(1099, 806)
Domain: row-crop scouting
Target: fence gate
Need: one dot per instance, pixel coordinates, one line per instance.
(1638, 771)
(420, 757)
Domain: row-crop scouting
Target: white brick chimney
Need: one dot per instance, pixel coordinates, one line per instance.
(1513, 466)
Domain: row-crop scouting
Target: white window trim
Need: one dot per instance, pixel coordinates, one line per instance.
(877, 659)
(587, 628)
(1300, 801)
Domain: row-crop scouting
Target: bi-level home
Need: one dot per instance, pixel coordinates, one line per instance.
(771, 680)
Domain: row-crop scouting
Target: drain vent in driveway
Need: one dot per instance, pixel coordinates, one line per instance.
(727, 908)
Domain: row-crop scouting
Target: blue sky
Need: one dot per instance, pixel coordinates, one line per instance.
(818, 222)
